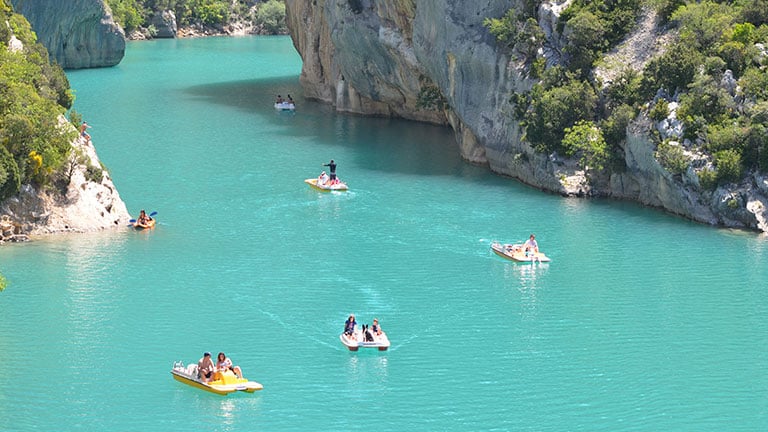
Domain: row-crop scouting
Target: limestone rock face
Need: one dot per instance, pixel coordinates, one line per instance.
(165, 24)
(434, 61)
(77, 33)
(86, 206)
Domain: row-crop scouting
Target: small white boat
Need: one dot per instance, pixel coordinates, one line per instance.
(223, 383)
(326, 187)
(516, 252)
(356, 340)
(285, 106)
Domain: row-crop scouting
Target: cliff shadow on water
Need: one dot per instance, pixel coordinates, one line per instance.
(390, 145)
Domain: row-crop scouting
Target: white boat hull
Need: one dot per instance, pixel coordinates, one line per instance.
(355, 341)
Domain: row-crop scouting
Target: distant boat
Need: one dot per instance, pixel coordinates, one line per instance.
(224, 383)
(285, 106)
(326, 187)
(516, 252)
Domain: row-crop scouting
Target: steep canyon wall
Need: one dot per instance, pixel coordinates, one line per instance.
(77, 33)
(434, 61)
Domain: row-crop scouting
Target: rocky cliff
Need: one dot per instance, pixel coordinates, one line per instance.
(88, 204)
(433, 60)
(77, 33)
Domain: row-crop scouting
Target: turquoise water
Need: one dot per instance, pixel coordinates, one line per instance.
(642, 321)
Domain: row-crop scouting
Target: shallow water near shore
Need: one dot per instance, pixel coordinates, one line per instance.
(641, 322)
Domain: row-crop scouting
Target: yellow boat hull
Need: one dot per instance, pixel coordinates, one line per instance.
(338, 187)
(223, 383)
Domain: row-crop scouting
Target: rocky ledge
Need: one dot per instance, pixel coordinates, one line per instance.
(90, 202)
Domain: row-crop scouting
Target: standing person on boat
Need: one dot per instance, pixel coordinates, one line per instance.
(332, 166)
(531, 245)
(349, 325)
(205, 367)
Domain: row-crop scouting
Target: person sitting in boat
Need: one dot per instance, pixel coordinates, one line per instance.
(225, 364)
(376, 328)
(323, 179)
(143, 218)
(290, 100)
(279, 99)
(205, 368)
(530, 245)
(349, 325)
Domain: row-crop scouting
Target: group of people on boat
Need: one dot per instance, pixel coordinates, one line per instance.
(280, 100)
(206, 370)
(369, 332)
(325, 179)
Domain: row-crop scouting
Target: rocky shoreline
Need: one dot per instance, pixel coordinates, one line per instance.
(383, 59)
(89, 203)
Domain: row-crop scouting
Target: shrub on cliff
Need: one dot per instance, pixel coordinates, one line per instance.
(671, 157)
(585, 140)
(33, 94)
(271, 17)
(554, 109)
(128, 13)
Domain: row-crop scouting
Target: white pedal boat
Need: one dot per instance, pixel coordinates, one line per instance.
(356, 341)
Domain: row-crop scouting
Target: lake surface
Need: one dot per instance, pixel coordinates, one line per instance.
(641, 322)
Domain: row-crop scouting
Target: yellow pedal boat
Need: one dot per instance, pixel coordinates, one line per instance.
(326, 187)
(140, 226)
(516, 252)
(223, 383)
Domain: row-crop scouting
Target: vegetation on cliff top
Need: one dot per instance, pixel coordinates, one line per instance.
(268, 15)
(715, 71)
(33, 94)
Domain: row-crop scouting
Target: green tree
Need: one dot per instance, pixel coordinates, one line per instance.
(615, 126)
(504, 28)
(271, 16)
(127, 13)
(552, 110)
(728, 164)
(586, 39)
(703, 24)
(672, 71)
(586, 141)
(754, 83)
(672, 157)
(706, 98)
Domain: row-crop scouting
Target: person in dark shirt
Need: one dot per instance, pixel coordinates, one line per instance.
(349, 325)
(332, 168)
